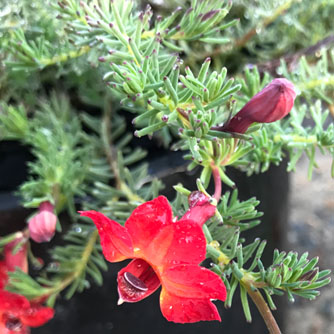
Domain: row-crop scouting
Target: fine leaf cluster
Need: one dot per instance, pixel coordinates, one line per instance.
(75, 72)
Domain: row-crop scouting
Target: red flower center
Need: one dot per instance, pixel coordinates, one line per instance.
(137, 280)
(12, 323)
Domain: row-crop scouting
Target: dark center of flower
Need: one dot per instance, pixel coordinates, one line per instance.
(135, 281)
(13, 323)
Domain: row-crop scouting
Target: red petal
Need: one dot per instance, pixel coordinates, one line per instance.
(200, 208)
(19, 259)
(147, 220)
(188, 244)
(200, 213)
(145, 273)
(37, 315)
(13, 302)
(191, 281)
(115, 240)
(187, 310)
(181, 242)
(156, 252)
(3, 274)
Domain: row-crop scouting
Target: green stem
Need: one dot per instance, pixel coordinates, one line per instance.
(218, 183)
(263, 308)
(63, 57)
(79, 268)
(112, 157)
(247, 282)
(268, 20)
(295, 139)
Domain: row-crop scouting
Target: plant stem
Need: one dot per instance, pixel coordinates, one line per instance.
(79, 268)
(264, 309)
(63, 57)
(218, 183)
(248, 282)
(112, 155)
(107, 144)
(239, 43)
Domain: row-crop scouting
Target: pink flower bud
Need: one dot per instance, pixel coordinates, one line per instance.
(43, 225)
(269, 105)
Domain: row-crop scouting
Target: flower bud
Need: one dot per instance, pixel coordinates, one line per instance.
(15, 253)
(269, 105)
(43, 225)
(200, 208)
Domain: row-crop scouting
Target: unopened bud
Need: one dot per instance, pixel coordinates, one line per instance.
(200, 208)
(271, 104)
(15, 253)
(42, 226)
(197, 198)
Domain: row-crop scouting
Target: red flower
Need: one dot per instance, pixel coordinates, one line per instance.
(165, 252)
(42, 226)
(17, 314)
(3, 275)
(269, 105)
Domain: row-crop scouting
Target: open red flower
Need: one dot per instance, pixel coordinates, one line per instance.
(17, 314)
(165, 252)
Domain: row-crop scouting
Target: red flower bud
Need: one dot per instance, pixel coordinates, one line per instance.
(269, 105)
(43, 225)
(19, 259)
(201, 208)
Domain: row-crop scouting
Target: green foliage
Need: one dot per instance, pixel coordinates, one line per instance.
(239, 263)
(288, 273)
(107, 59)
(262, 21)
(55, 137)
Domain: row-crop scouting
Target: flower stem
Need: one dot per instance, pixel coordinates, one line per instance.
(78, 268)
(111, 155)
(277, 13)
(218, 183)
(249, 283)
(264, 310)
